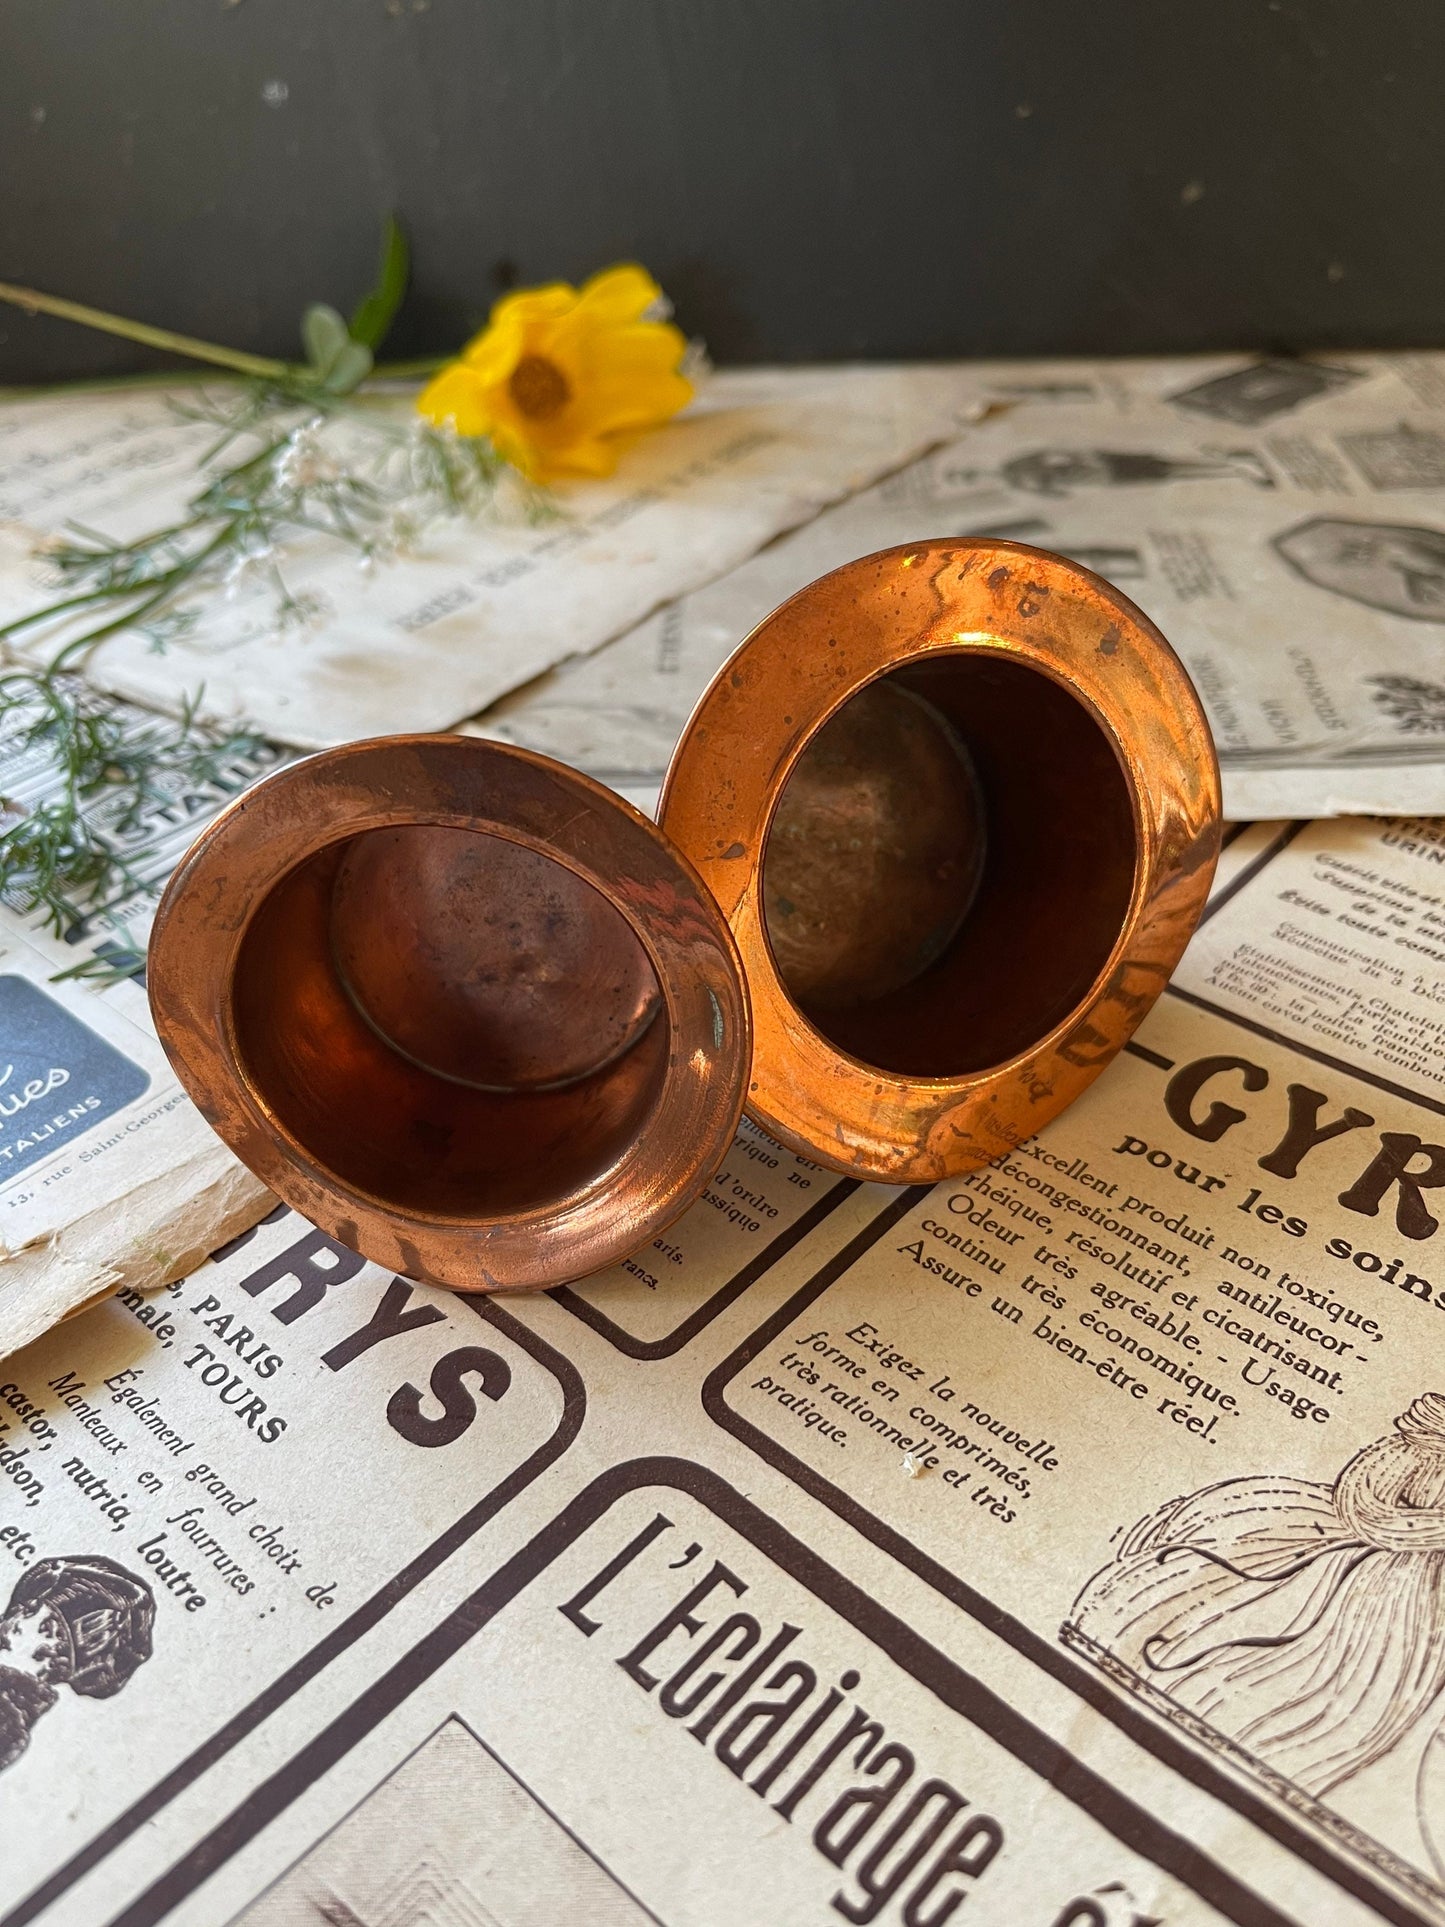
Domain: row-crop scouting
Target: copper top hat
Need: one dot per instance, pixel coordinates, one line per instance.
(959, 803)
(465, 1009)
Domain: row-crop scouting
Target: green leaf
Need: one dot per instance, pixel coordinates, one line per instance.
(323, 335)
(348, 370)
(375, 312)
(334, 361)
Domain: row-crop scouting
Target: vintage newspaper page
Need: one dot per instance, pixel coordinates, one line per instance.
(480, 607)
(108, 1174)
(1282, 522)
(1062, 1544)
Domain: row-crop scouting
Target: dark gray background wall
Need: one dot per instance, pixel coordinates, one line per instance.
(808, 178)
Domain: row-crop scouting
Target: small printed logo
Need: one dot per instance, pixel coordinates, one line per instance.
(57, 1077)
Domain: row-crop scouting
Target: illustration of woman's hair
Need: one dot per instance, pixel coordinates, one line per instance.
(107, 1612)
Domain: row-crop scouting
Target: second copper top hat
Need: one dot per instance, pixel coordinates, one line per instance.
(959, 804)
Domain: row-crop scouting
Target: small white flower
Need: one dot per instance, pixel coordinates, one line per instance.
(402, 533)
(304, 611)
(303, 461)
(696, 364)
(244, 567)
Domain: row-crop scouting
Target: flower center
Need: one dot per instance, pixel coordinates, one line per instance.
(538, 387)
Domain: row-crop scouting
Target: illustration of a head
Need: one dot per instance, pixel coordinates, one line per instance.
(83, 1621)
(1397, 567)
(34, 1640)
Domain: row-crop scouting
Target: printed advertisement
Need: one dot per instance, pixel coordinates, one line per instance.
(1063, 1542)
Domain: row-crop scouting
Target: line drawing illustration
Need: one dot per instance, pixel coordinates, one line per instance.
(1401, 457)
(1264, 390)
(83, 1622)
(1304, 1622)
(1413, 704)
(1059, 472)
(1394, 566)
(450, 1838)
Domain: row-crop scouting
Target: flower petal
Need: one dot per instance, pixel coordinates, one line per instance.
(529, 305)
(633, 378)
(587, 456)
(617, 296)
(637, 404)
(654, 346)
(496, 351)
(518, 449)
(457, 398)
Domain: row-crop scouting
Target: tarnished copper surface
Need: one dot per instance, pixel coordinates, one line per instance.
(463, 1008)
(885, 795)
(931, 1014)
(484, 961)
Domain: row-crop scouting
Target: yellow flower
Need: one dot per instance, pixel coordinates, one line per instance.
(560, 373)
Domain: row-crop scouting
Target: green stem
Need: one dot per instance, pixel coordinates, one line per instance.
(103, 384)
(83, 645)
(58, 609)
(33, 302)
(173, 377)
(405, 370)
(111, 591)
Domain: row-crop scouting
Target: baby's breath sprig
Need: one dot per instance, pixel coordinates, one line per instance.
(376, 498)
(232, 531)
(297, 452)
(294, 478)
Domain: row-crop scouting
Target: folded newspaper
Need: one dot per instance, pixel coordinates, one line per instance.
(1325, 679)
(1282, 521)
(1058, 1546)
(1062, 1544)
(482, 605)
